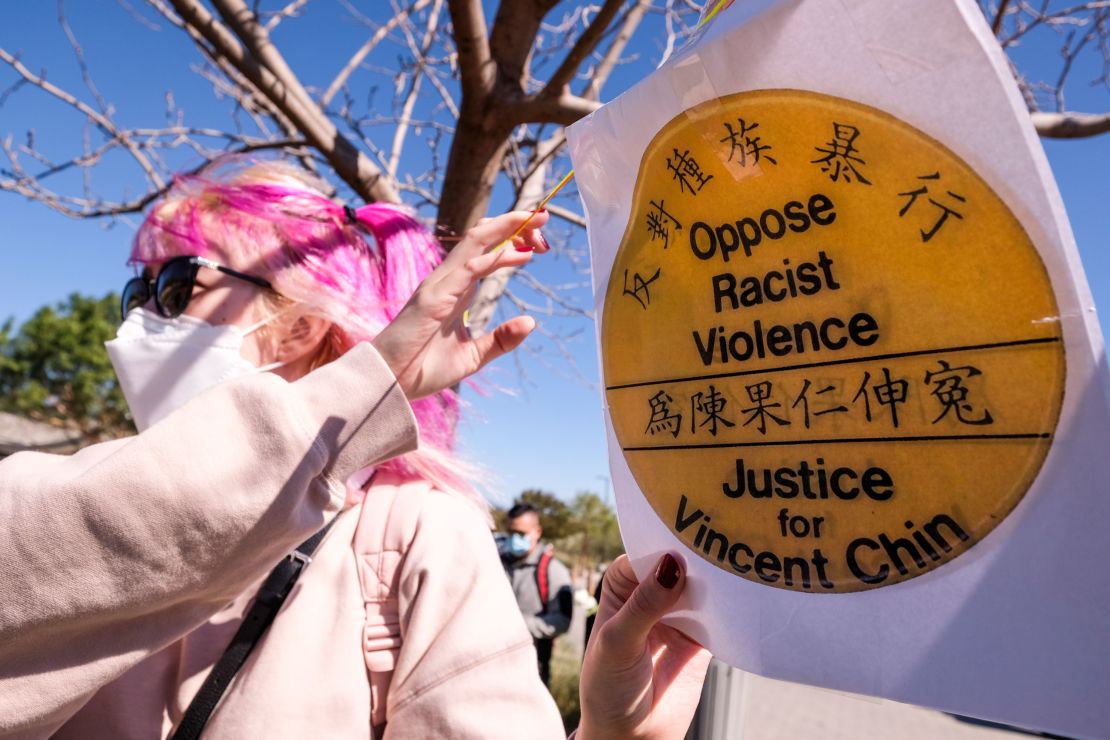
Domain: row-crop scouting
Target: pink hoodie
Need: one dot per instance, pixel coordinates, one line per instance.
(125, 569)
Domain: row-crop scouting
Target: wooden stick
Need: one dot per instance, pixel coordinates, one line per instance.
(566, 178)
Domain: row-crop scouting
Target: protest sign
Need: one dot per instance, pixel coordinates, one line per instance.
(851, 368)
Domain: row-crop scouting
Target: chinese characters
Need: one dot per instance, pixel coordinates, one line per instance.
(641, 287)
(946, 206)
(842, 159)
(660, 223)
(881, 396)
(744, 146)
(691, 178)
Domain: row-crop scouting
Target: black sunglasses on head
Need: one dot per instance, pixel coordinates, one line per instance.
(173, 287)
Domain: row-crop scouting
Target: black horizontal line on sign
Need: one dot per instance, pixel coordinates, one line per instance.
(826, 363)
(843, 440)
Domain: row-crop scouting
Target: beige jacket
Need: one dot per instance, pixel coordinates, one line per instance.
(125, 568)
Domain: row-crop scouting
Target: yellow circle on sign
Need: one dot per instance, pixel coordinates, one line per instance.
(832, 354)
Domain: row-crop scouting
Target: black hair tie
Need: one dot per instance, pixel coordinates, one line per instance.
(351, 213)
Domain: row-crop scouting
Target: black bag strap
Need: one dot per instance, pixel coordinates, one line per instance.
(267, 602)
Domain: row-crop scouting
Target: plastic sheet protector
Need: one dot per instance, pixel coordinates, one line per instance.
(852, 371)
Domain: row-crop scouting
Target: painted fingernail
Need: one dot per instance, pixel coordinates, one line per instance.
(521, 247)
(543, 241)
(667, 573)
(542, 210)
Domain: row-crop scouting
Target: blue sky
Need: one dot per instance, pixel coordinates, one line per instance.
(546, 431)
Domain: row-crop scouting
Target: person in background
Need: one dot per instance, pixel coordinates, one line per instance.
(541, 583)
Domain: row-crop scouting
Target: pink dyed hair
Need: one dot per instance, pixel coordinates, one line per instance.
(276, 221)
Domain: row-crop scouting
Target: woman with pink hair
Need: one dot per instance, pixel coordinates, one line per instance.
(279, 364)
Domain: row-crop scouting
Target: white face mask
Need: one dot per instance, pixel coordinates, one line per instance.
(163, 363)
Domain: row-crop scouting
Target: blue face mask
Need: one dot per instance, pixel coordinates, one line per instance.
(519, 544)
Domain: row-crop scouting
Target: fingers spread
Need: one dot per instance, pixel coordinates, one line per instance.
(488, 234)
(458, 278)
(484, 264)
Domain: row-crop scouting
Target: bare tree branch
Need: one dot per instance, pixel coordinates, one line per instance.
(230, 84)
(445, 96)
(289, 11)
(493, 287)
(514, 34)
(560, 342)
(364, 50)
(237, 85)
(550, 151)
(139, 17)
(30, 185)
(1082, 26)
(996, 26)
(1040, 16)
(12, 90)
(418, 73)
(100, 120)
(485, 126)
(612, 56)
(567, 215)
(1071, 125)
(582, 48)
(555, 296)
(79, 53)
(267, 70)
(563, 110)
(476, 69)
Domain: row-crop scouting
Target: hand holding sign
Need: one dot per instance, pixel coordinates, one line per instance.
(640, 678)
(850, 362)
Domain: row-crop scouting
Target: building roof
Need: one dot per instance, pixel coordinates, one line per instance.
(18, 433)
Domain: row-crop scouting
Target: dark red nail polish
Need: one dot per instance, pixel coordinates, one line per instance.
(667, 573)
(522, 247)
(543, 241)
(542, 210)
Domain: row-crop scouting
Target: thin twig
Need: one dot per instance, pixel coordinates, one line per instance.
(996, 26)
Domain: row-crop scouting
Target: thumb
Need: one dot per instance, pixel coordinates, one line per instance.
(503, 339)
(627, 630)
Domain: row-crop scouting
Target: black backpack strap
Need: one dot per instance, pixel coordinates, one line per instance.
(266, 605)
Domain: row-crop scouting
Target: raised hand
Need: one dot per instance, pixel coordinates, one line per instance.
(427, 346)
